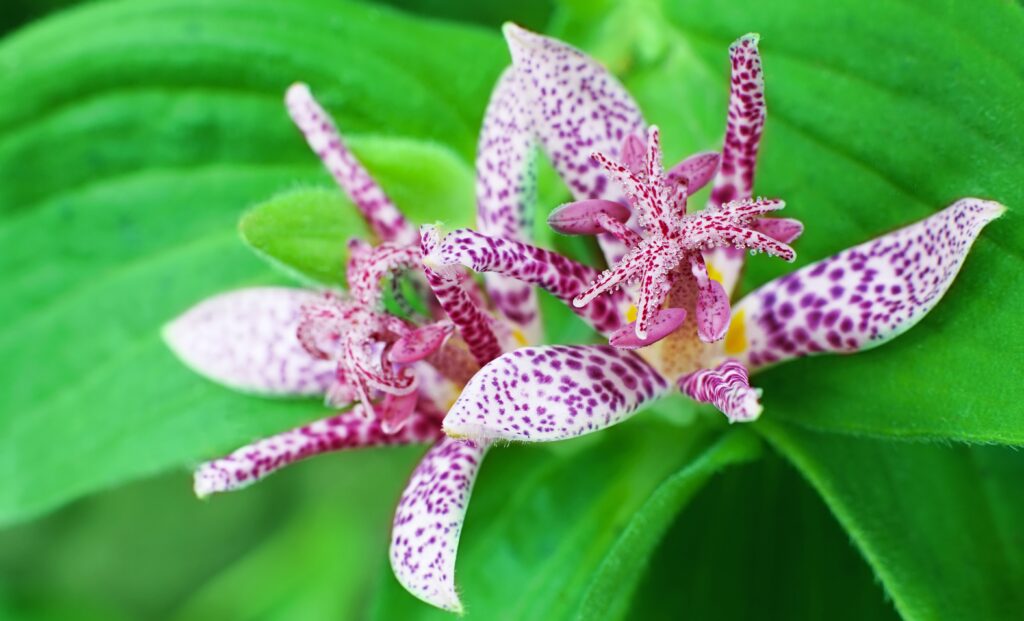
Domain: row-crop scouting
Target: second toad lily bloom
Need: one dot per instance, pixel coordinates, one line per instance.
(856, 300)
(398, 375)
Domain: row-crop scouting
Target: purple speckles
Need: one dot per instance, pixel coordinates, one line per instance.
(562, 277)
(506, 191)
(870, 293)
(603, 386)
(832, 317)
(727, 387)
(352, 429)
(381, 214)
(575, 112)
(246, 340)
(428, 521)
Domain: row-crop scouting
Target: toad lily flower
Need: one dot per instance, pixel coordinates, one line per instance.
(672, 238)
(398, 375)
(858, 299)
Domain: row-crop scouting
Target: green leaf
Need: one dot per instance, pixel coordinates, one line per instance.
(939, 524)
(758, 543)
(530, 553)
(321, 562)
(880, 113)
(611, 589)
(304, 231)
(300, 232)
(132, 137)
(75, 558)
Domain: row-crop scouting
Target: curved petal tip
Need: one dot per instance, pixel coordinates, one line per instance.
(428, 522)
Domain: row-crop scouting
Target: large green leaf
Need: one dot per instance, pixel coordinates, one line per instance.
(141, 551)
(541, 523)
(879, 114)
(940, 525)
(610, 591)
(132, 137)
(758, 543)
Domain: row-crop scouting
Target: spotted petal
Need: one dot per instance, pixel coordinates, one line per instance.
(245, 339)
(324, 139)
(561, 276)
(352, 429)
(447, 282)
(745, 124)
(538, 394)
(861, 297)
(428, 522)
(579, 108)
(727, 387)
(506, 192)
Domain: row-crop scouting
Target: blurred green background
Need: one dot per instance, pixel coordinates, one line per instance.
(133, 135)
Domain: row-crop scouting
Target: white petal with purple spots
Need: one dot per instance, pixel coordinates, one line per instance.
(861, 297)
(245, 339)
(538, 394)
(506, 192)
(578, 108)
(745, 124)
(428, 522)
(352, 429)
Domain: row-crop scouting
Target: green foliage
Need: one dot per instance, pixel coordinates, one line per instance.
(133, 136)
(757, 543)
(299, 231)
(924, 515)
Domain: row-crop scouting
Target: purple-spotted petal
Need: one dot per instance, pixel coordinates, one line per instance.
(324, 139)
(352, 429)
(448, 284)
(695, 171)
(506, 192)
(562, 277)
(727, 387)
(245, 339)
(861, 297)
(428, 522)
(583, 217)
(578, 108)
(735, 179)
(538, 394)
(506, 176)
(664, 322)
(745, 124)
